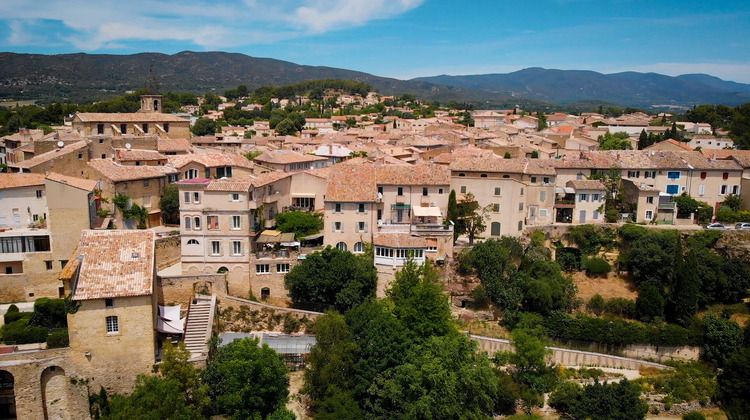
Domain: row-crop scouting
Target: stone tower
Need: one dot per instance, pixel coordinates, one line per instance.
(151, 103)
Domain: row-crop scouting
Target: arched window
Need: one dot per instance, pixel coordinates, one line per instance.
(222, 270)
(7, 395)
(156, 105)
(341, 246)
(359, 248)
(265, 293)
(192, 241)
(191, 174)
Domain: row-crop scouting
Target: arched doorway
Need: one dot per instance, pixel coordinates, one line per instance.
(7, 396)
(55, 393)
(265, 293)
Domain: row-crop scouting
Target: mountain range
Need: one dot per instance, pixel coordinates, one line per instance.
(89, 77)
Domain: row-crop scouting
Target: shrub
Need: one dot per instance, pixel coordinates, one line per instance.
(58, 339)
(611, 216)
(596, 304)
(569, 258)
(597, 267)
(694, 415)
(12, 316)
(49, 313)
(20, 332)
(631, 232)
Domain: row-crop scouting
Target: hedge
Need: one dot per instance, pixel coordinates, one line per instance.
(618, 332)
(58, 339)
(19, 332)
(730, 216)
(597, 267)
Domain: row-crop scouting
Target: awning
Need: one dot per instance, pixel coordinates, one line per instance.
(310, 195)
(312, 237)
(274, 237)
(427, 211)
(290, 244)
(400, 206)
(169, 320)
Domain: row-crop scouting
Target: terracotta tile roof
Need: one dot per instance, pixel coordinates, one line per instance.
(211, 160)
(138, 154)
(116, 172)
(80, 183)
(52, 154)
(324, 173)
(115, 263)
(673, 142)
(698, 161)
(412, 175)
(742, 160)
(172, 145)
(283, 157)
(399, 240)
(155, 117)
(19, 180)
(489, 164)
(586, 184)
(352, 183)
(724, 153)
(245, 183)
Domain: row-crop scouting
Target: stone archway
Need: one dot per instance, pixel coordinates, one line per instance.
(7, 396)
(55, 393)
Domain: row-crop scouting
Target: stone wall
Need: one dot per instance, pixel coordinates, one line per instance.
(167, 251)
(662, 354)
(180, 290)
(47, 385)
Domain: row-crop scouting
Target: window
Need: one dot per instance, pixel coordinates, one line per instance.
(186, 197)
(338, 208)
(380, 190)
(634, 174)
(533, 180)
(282, 268)
(440, 190)
(649, 174)
(212, 222)
(338, 226)
(236, 247)
(188, 222)
(215, 248)
(145, 182)
(520, 206)
(495, 229)
(496, 207)
(48, 265)
(361, 208)
(594, 197)
(63, 263)
(359, 248)
(166, 127)
(262, 269)
(498, 190)
(100, 129)
(80, 156)
(124, 128)
(545, 180)
(425, 191)
(542, 212)
(463, 189)
(207, 173)
(341, 246)
(234, 197)
(649, 214)
(400, 190)
(579, 176)
(723, 190)
(596, 214)
(191, 174)
(520, 225)
(542, 195)
(113, 326)
(109, 303)
(193, 241)
(522, 190)
(462, 174)
(196, 197)
(703, 175)
(236, 222)
(144, 127)
(725, 176)
(361, 227)
(673, 174)
(649, 200)
(38, 193)
(583, 197)
(506, 176)
(702, 189)
(673, 189)
(104, 156)
(483, 176)
(735, 189)
(197, 223)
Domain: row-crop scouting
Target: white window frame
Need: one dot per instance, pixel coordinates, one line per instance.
(236, 222)
(262, 269)
(235, 197)
(338, 226)
(237, 248)
(361, 226)
(196, 197)
(359, 248)
(113, 325)
(215, 248)
(283, 268)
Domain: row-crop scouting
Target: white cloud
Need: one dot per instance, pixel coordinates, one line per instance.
(99, 24)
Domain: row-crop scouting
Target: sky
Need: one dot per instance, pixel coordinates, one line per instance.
(403, 38)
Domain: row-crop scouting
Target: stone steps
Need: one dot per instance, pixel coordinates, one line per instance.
(198, 326)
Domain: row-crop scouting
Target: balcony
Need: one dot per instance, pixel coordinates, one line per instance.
(667, 206)
(425, 199)
(565, 202)
(431, 228)
(272, 198)
(272, 254)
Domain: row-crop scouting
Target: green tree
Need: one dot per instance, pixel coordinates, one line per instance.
(685, 286)
(472, 217)
(616, 401)
(176, 367)
(616, 141)
(734, 388)
(153, 398)
(204, 127)
(331, 360)
(733, 202)
(333, 277)
(541, 122)
(169, 204)
(721, 339)
(650, 303)
(299, 222)
(246, 380)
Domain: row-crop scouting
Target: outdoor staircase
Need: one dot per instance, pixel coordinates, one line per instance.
(200, 320)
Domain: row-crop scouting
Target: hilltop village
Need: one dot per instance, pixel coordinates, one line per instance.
(130, 233)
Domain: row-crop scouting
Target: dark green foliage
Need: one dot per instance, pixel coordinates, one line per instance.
(169, 204)
(651, 258)
(282, 414)
(685, 286)
(58, 339)
(734, 387)
(331, 360)
(332, 277)
(597, 267)
(630, 232)
(453, 213)
(152, 398)
(684, 383)
(693, 415)
(245, 380)
(601, 402)
(650, 303)
(590, 238)
(497, 272)
(545, 287)
(565, 398)
(299, 222)
(596, 304)
(339, 406)
(20, 332)
(204, 127)
(49, 313)
(15, 315)
(722, 338)
(614, 141)
(569, 258)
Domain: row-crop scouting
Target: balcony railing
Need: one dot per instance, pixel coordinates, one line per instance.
(431, 228)
(565, 201)
(272, 254)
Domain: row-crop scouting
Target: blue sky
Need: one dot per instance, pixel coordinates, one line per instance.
(403, 38)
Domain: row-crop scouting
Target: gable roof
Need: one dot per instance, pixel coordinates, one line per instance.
(80, 183)
(352, 183)
(211, 160)
(283, 157)
(114, 263)
(107, 117)
(19, 180)
(51, 155)
(116, 172)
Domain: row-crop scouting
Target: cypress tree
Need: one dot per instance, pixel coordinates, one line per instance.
(685, 286)
(453, 213)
